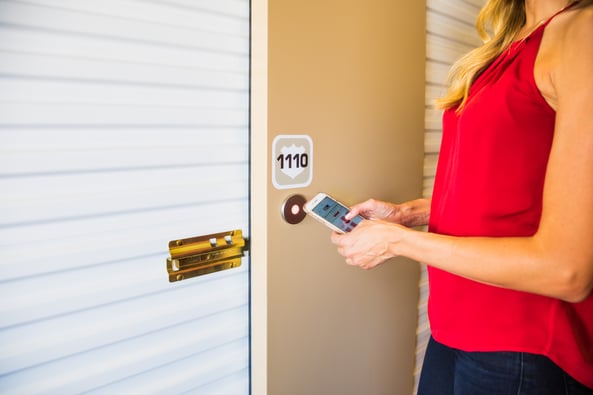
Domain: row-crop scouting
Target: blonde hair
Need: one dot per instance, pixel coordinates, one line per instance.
(498, 25)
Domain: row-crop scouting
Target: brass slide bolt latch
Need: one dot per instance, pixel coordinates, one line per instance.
(207, 254)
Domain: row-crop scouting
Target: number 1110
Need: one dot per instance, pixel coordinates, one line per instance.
(297, 161)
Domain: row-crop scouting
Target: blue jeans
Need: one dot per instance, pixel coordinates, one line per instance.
(447, 371)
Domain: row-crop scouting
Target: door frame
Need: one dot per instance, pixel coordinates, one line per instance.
(259, 195)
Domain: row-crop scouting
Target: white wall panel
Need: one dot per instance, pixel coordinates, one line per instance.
(123, 125)
(455, 29)
(441, 49)
(454, 10)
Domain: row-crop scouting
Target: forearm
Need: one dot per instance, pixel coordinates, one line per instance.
(519, 263)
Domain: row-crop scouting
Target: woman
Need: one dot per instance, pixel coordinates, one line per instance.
(510, 242)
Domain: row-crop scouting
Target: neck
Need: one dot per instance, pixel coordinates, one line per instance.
(537, 11)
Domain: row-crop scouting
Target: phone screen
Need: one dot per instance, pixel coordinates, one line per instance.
(335, 213)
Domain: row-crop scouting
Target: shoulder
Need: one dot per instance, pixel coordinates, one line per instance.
(566, 53)
(577, 28)
(573, 46)
(573, 30)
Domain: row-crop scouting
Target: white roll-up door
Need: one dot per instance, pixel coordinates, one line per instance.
(123, 124)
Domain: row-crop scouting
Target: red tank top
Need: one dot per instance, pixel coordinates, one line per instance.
(489, 182)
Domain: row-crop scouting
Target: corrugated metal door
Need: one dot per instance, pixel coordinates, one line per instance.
(123, 124)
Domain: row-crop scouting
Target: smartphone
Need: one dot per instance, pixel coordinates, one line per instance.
(332, 213)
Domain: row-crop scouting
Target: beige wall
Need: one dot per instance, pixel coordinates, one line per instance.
(351, 75)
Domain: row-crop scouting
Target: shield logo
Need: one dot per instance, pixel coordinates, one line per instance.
(292, 161)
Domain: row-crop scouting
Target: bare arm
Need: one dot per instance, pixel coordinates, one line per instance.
(558, 260)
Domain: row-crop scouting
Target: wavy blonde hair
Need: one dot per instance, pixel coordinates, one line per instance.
(498, 25)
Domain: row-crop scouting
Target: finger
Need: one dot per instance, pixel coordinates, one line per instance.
(354, 211)
(341, 251)
(365, 209)
(336, 238)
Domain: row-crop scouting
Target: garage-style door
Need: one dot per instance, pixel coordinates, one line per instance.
(123, 124)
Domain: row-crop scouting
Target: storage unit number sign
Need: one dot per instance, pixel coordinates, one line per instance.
(292, 157)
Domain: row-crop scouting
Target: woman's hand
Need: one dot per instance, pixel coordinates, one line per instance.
(374, 240)
(371, 243)
(412, 213)
(373, 209)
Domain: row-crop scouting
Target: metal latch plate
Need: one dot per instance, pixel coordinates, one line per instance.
(197, 256)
